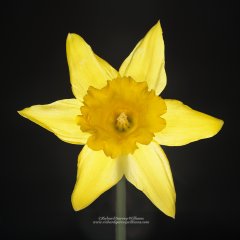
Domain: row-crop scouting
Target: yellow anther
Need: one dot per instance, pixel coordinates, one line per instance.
(122, 123)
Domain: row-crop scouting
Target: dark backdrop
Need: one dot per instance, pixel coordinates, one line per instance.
(38, 170)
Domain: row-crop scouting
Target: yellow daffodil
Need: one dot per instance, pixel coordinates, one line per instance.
(122, 121)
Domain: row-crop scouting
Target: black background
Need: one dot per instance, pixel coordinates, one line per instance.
(38, 170)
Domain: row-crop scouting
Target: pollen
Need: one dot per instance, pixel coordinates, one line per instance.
(122, 123)
(120, 115)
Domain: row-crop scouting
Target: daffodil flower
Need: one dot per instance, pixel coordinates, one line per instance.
(122, 121)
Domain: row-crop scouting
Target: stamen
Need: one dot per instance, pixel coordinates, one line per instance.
(122, 123)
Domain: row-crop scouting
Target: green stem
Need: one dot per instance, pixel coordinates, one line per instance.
(121, 209)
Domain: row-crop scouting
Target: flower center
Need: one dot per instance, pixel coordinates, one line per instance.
(122, 122)
(120, 115)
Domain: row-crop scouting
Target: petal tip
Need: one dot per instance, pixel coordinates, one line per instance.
(221, 122)
(158, 26)
(170, 212)
(73, 36)
(69, 36)
(219, 126)
(75, 203)
(216, 126)
(22, 112)
(19, 112)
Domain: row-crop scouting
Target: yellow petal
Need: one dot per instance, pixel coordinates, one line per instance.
(146, 62)
(185, 125)
(149, 171)
(96, 174)
(86, 69)
(60, 118)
